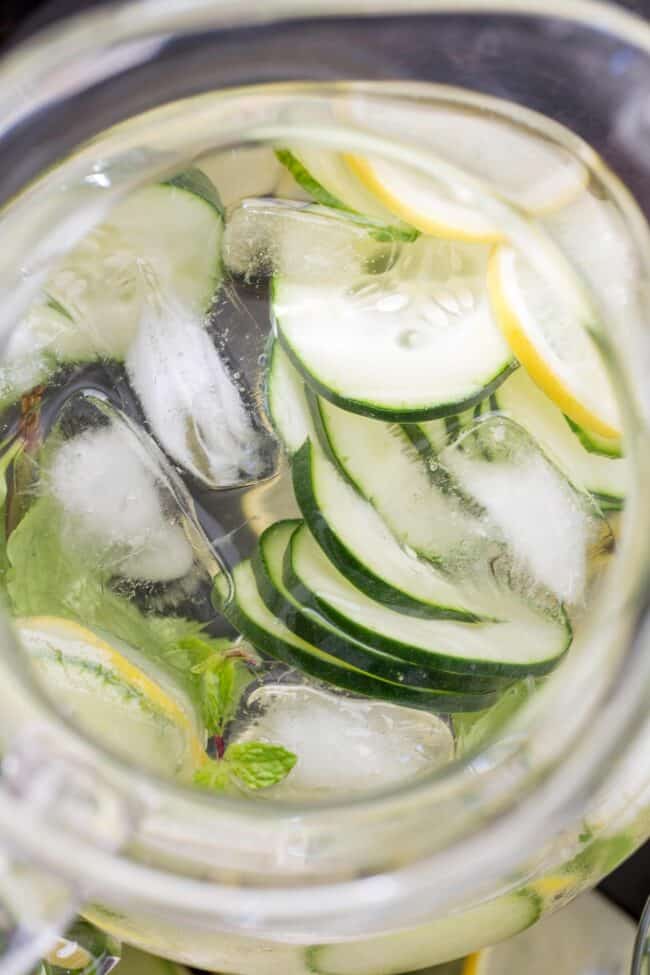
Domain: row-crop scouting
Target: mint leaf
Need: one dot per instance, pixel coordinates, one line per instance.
(215, 775)
(254, 764)
(259, 764)
(223, 671)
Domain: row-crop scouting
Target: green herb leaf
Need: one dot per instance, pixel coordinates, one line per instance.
(259, 764)
(47, 577)
(214, 775)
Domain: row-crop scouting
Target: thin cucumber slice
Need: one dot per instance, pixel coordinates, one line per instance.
(382, 463)
(329, 181)
(432, 436)
(603, 477)
(358, 542)
(594, 443)
(168, 234)
(530, 644)
(286, 401)
(356, 539)
(268, 566)
(433, 943)
(248, 614)
(415, 342)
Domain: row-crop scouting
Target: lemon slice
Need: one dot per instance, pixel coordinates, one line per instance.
(517, 164)
(552, 342)
(473, 964)
(107, 692)
(419, 201)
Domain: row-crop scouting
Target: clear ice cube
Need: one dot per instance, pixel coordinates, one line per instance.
(268, 236)
(192, 403)
(547, 527)
(345, 745)
(120, 501)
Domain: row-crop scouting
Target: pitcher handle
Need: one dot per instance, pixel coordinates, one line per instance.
(642, 944)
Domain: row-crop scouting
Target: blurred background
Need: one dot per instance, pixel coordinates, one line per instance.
(629, 886)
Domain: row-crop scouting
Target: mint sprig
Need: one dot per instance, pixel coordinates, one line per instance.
(223, 673)
(252, 764)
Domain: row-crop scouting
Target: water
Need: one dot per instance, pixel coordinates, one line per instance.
(163, 395)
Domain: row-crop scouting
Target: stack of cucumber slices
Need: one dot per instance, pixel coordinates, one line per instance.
(377, 368)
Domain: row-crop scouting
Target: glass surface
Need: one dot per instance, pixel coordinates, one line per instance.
(324, 443)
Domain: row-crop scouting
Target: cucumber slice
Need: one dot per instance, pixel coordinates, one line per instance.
(415, 342)
(356, 540)
(286, 401)
(169, 233)
(312, 626)
(594, 443)
(248, 614)
(385, 467)
(531, 644)
(433, 943)
(604, 477)
(329, 181)
(432, 436)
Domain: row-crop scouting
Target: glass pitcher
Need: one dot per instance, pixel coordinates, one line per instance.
(397, 877)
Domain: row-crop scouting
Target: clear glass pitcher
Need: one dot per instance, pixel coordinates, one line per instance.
(400, 877)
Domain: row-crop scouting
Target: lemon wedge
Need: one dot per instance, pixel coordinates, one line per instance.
(552, 343)
(106, 691)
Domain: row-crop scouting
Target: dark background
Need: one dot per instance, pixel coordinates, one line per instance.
(629, 886)
(16, 14)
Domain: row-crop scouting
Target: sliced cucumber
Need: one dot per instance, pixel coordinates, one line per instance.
(286, 401)
(594, 443)
(432, 436)
(324, 175)
(168, 234)
(433, 943)
(530, 644)
(383, 464)
(357, 541)
(248, 613)
(604, 477)
(415, 342)
(312, 626)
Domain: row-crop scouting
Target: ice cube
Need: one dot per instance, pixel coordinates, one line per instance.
(268, 236)
(114, 500)
(546, 524)
(193, 405)
(345, 745)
